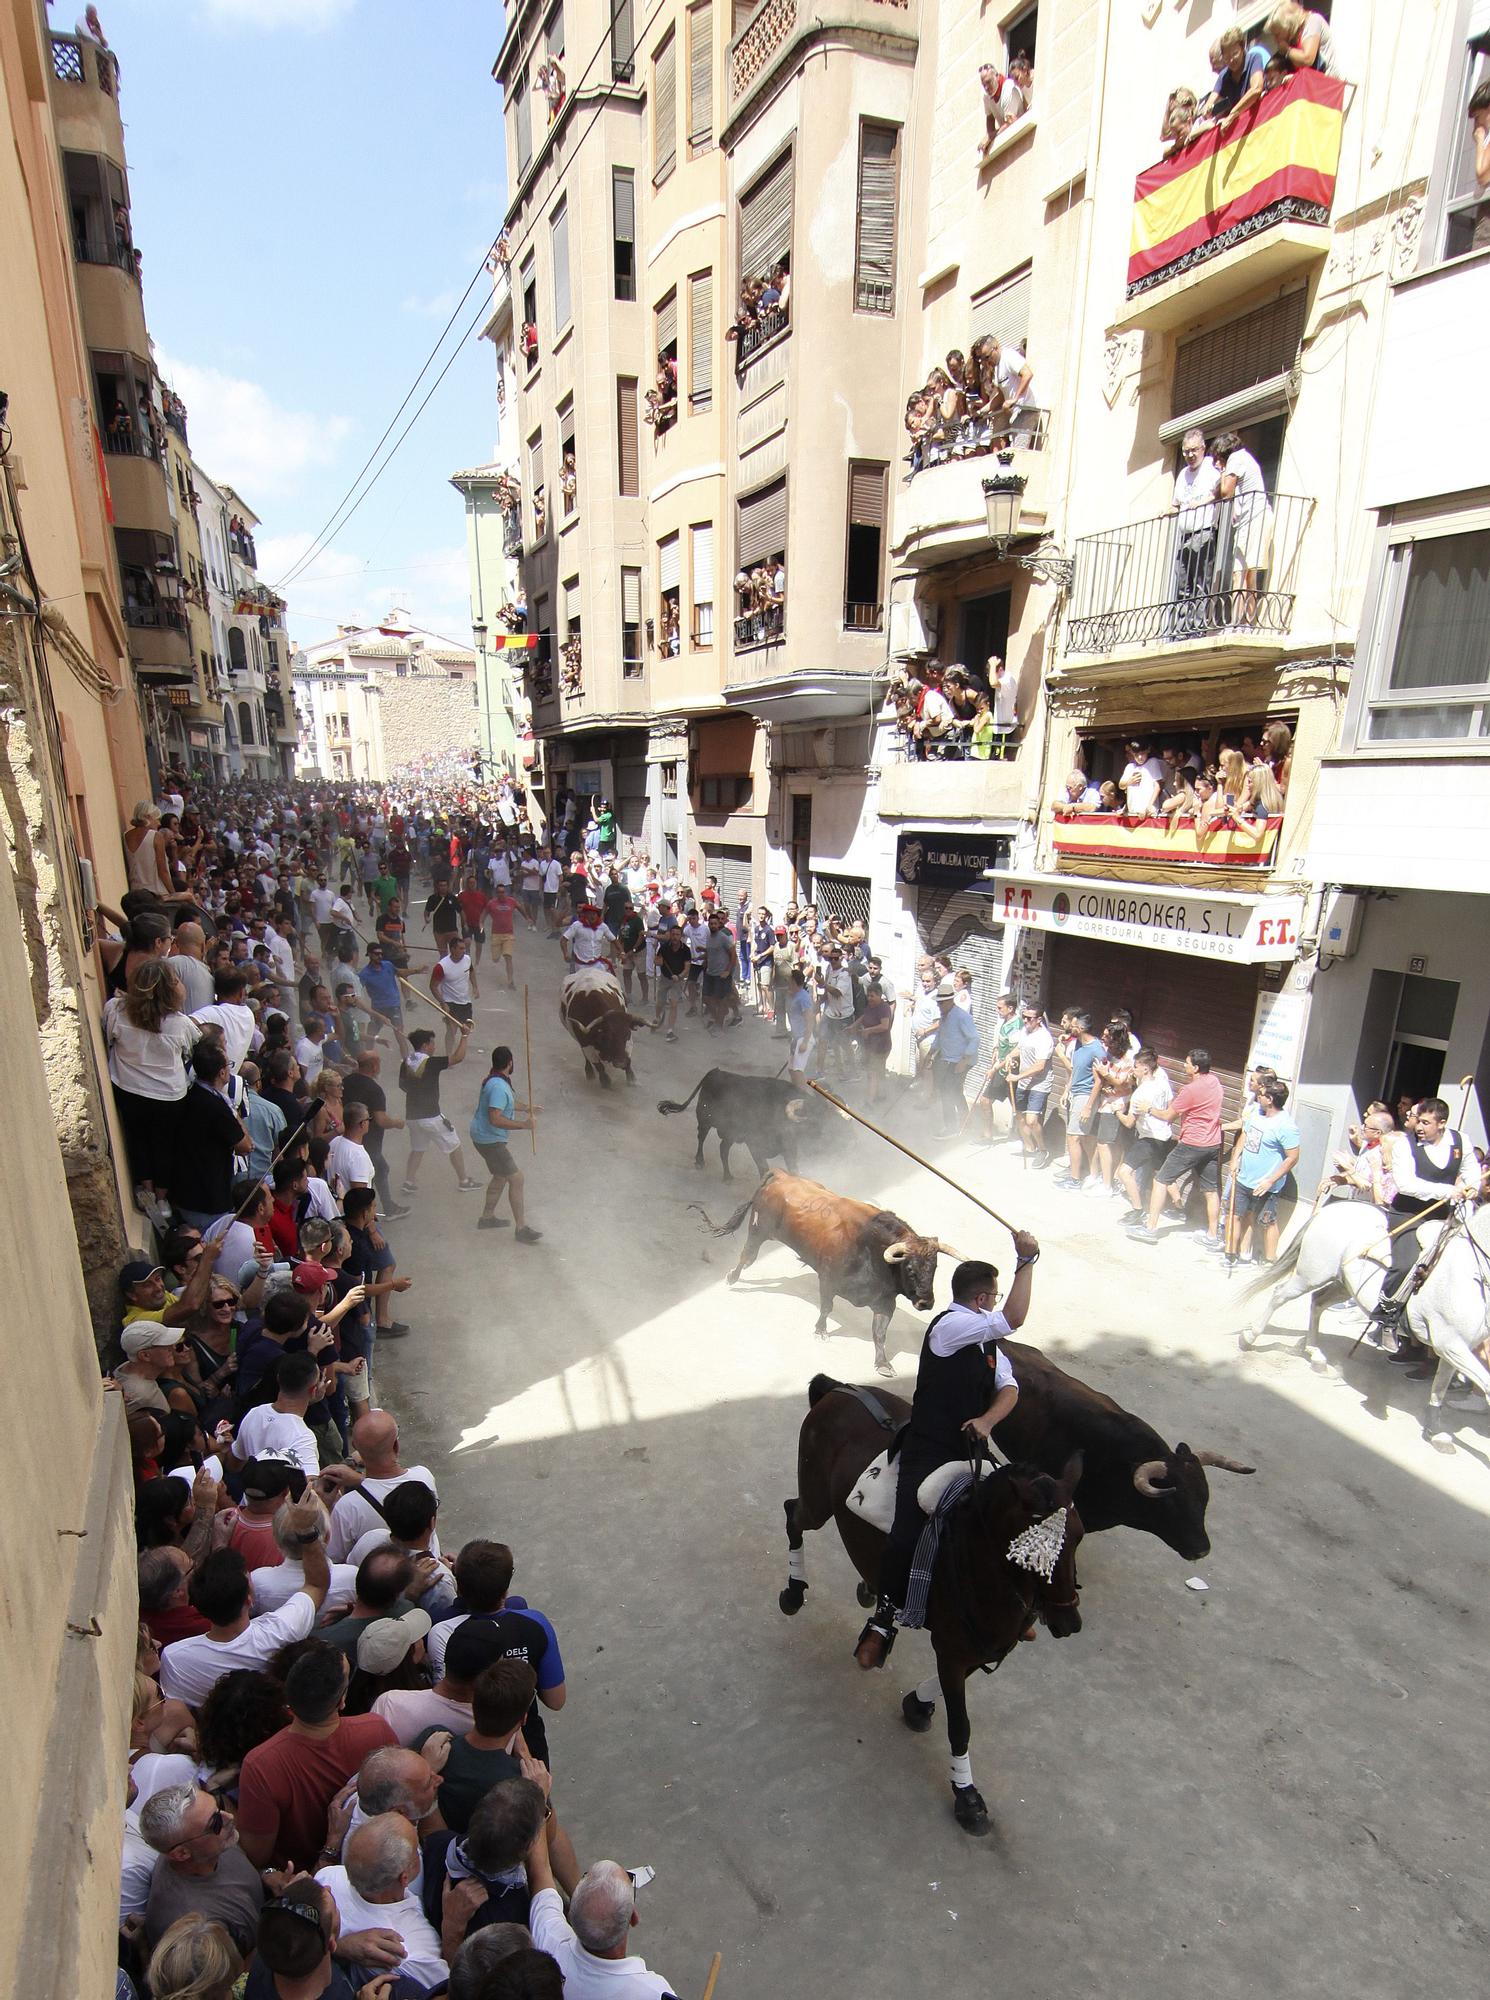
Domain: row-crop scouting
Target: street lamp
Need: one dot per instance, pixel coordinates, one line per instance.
(1003, 496)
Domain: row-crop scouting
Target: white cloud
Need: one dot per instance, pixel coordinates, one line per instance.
(240, 434)
(343, 586)
(312, 15)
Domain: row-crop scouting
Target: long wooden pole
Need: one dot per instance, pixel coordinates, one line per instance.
(890, 1140)
(528, 1057)
(718, 1961)
(418, 991)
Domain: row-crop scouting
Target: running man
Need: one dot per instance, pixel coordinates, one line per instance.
(453, 984)
(496, 1115)
(419, 1076)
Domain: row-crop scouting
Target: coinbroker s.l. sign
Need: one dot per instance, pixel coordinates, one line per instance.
(1249, 929)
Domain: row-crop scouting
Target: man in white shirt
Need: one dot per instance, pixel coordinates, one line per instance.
(279, 1429)
(371, 1888)
(191, 1668)
(553, 881)
(452, 981)
(836, 1011)
(281, 953)
(1433, 1168)
(232, 1015)
(500, 869)
(375, 1440)
(348, 1162)
(1152, 1137)
(1013, 376)
(591, 1947)
(588, 941)
(1033, 1076)
(1195, 489)
(275, 1584)
(1140, 790)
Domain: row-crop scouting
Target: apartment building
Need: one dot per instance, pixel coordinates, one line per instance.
(1402, 1006)
(377, 699)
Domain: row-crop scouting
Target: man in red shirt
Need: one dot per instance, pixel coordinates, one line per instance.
(290, 1188)
(472, 901)
(287, 1783)
(501, 907)
(1196, 1115)
(165, 1607)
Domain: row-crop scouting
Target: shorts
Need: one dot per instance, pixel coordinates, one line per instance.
(497, 1158)
(1262, 1207)
(531, 901)
(444, 940)
(433, 1135)
(718, 986)
(550, 899)
(1197, 1160)
(695, 974)
(1078, 1123)
(802, 1052)
(460, 1010)
(474, 933)
(1144, 1155)
(501, 944)
(1109, 1131)
(1032, 1097)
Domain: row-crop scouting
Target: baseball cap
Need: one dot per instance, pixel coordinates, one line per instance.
(387, 1642)
(137, 1271)
(474, 1645)
(146, 1333)
(267, 1477)
(312, 1277)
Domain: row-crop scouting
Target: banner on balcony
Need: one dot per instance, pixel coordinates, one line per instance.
(1247, 843)
(510, 642)
(1276, 164)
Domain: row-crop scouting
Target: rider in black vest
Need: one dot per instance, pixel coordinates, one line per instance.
(1426, 1165)
(957, 1404)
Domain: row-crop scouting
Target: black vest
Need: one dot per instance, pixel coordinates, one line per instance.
(950, 1388)
(1423, 1167)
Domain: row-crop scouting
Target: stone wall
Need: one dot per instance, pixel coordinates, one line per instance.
(425, 714)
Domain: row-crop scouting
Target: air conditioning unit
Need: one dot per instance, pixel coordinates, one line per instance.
(912, 628)
(1340, 924)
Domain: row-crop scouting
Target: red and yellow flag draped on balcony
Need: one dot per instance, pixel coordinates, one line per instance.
(1276, 164)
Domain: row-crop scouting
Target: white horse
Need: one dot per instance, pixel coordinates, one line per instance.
(1343, 1251)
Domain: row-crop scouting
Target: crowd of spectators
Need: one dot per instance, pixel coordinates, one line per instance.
(956, 711)
(1245, 780)
(1244, 69)
(760, 602)
(975, 404)
(765, 307)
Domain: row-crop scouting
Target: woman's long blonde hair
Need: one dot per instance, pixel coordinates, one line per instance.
(153, 992)
(195, 1960)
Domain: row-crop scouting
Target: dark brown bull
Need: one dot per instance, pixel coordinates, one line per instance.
(980, 1604)
(861, 1253)
(593, 1009)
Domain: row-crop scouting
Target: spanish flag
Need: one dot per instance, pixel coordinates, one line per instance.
(1276, 164)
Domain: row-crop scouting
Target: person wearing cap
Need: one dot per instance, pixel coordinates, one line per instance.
(145, 1293)
(483, 1577)
(389, 1657)
(149, 1353)
(447, 1705)
(220, 1590)
(248, 1529)
(299, 1932)
(954, 1052)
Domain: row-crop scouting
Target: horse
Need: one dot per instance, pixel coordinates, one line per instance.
(1342, 1252)
(980, 1604)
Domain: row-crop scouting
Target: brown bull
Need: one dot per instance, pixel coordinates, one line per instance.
(861, 1253)
(593, 1009)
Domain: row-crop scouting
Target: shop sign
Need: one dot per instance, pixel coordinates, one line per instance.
(1249, 930)
(1278, 1033)
(948, 860)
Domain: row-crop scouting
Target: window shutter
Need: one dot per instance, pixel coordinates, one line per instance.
(1237, 356)
(623, 203)
(762, 524)
(879, 161)
(523, 114)
(669, 564)
(766, 220)
(1004, 311)
(866, 495)
(622, 38)
(701, 75)
(667, 322)
(702, 537)
(535, 468)
(628, 453)
(664, 110)
(560, 228)
(701, 338)
(553, 32)
(631, 597)
(571, 604)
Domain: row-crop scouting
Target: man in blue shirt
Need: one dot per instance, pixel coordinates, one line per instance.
(494, 1118)
(1085, 1051)
(954, 1051)
(380, 984)
(1267, 1151)
(1240, 81)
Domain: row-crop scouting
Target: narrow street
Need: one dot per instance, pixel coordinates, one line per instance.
(1197, 1789)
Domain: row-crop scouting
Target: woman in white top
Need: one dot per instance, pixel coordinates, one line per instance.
(145, 852)
(1302, 38)
(1243, 485)
(149, 1038)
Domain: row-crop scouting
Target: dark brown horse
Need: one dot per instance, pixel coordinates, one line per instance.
(981, 1603)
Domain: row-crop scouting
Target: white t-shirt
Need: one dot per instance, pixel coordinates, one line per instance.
(311, 1058)
(1157, 1094)
(499, 871)
(422, 1961)
(321, 901)
(349, 1163)
(586, 945)
(1011, 365)
(553, 875)
(407, 1711)
(284, 958)
(191, 1668)
(936, 712)
(275, 1584)
(1195, 496)
(585, 1976)
(237, 1024)
(236, 1245)
(352, 1517)
(1139, 788)
(267, 1432)
(838, 995)
(1036, 1047)
(1251, 495)
(146, 1064)
(455, 980)
(532, 874)
(1007, 105)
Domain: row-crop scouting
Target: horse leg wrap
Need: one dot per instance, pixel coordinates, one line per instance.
(929, 1690)
(796, 1565)
(962, 1771)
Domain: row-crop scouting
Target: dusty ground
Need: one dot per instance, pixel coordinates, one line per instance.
(1274, 1786)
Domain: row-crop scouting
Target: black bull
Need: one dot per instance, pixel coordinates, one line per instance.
(981, 1603)
(765, 1114)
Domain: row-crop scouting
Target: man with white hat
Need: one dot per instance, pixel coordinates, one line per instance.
(149, 1352)
(954, 1051)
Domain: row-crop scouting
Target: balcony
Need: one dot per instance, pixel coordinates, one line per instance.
(1229, 215)
(137, 485)
(942, 789)
(1081, 839)
(159, 639)
(1221, 590)
(940, 513)
(76, 59)
(863, 617)
(765, 627)
(767, 38)
(761, 333)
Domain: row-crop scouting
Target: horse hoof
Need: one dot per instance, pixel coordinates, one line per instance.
(1246, 1340)
(790, 1599)
(917, 1714)
(865, 1596)
(1442, 1441)
(969, 1810)
(1318, 1360)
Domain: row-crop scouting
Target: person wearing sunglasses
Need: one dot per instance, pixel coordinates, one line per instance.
(202, 1871)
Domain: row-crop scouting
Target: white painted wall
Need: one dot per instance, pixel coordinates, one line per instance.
(1437, 320)
(1401, 825)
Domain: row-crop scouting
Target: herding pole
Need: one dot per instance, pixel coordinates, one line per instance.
(528, 1055)
(880, 1133)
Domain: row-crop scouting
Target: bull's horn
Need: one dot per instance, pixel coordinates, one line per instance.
(794, 1107)
(946, 1249)
(1145, 1475)
(1221, 1462)
(896, 1254)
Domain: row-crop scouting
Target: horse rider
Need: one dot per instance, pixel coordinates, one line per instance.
(1427, 1165)
(589, 941)
(952, 1413)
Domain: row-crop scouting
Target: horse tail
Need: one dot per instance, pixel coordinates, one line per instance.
(818, 1387)
(725, 1228)
(665, 1104)
(1272, 1275)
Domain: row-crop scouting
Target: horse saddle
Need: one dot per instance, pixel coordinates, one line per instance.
(873, 1495)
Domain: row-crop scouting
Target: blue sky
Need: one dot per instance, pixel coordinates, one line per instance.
(313, 183)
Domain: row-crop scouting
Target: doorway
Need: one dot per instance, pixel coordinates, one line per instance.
(1420, 1037)
(801, 847)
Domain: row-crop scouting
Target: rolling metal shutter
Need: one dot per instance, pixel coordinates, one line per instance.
(766, 220)
(700, 75)
(631, 799)
(667, 323)
(1241, 355)
(762, 524)
(1004, 311)
(571, 604)
(866, 495)
(628, 449)
(670, 563)
(732, 866)
(843, 896)
(956, 926)
(623, 205)
(879, 161)
(701, 339)
(702, 556)
(522, 114)
(665, 109)
(559, 226)
(631, 597)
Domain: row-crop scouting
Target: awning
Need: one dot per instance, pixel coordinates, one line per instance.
(1248, 929)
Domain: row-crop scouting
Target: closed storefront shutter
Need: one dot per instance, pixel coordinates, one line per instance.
(701, 340)
(700, 75)
(731, 865)
(874, 273)
(955, 925)
(762, 529)
(669, 563)
(1004, 311)
(843, 896)
(664, 110)
(667, 323)
(766, 220)
(628, 455)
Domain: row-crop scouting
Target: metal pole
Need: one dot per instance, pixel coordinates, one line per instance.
(880, 1133)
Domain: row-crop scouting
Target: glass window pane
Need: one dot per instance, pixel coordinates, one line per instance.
(1443, 638)
(1432, 721)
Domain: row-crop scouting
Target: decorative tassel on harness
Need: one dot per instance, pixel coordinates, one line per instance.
(1039, 1548)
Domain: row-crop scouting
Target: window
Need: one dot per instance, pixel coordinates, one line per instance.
(669, 592)
(664, 407)
(726, 795)
(1432, 681)
(622, 45)
(701, 340)
(543, 652)
(529, 282)
(1003, 311)
(553, 32)
(874, 247)
(631, 622)
(1465, 211)
(760, 561)
(1239, 375)
(568, 464)
(538, 499)
(766, 220)
(558, 224)
(628, 452)
(664, 110)
(701, 566)
(1021, 35)
(669, 781)
(983, 630)
(700, 77)
(864, 556)
(623, 231)
(571, 608)
(523, 122)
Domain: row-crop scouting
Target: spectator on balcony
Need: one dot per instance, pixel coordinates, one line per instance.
(1109, 798)
(918, 424)
(1195, 490)
(936, 724)
(1180, 801)
(1140, 790)
(1003, 696)
(1301, 39)
(1179, 120)
(1079, 796)
(1016, 415)
(121, 426)
(550, 81)
(1005, 98)
(1479, 132)
(1241, 482)
(1277, 750)
(1262, 796)
(1240, 81)
(569, 477)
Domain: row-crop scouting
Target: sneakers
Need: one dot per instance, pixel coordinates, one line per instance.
(1217, 1244)
(672, 1035)
(526, 1235)
(1095, 1191)
(396, 1212)
(395, 1330)
(493, 1222)
(467, 1186)
(1040, 1161)
(1143, 1235)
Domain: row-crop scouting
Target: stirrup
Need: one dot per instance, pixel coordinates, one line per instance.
(875, 1630)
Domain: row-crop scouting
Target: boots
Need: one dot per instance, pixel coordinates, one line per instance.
(878, 1636)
